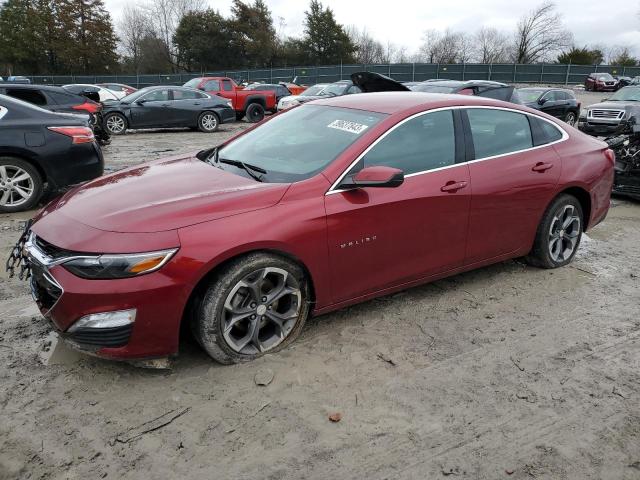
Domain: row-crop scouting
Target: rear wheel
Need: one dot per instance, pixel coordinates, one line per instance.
(21, 185)
(255, 113)
(559, 233)
(258, 304)
(570, 118)
(115, 123)
(208, 122)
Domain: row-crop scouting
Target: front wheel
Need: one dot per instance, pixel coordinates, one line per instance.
(115, 123)
(570, 118)
(559, 233)
(258, 304)
(21, 185)
(208, 122)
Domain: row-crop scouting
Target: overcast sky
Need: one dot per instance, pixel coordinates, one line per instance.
(403, 22)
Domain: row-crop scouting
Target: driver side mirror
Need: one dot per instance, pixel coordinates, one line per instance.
(542, 101)
(375, 176)
(605, 99)
(141, 101)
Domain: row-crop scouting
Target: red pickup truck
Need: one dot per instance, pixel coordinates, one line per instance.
(251, 103)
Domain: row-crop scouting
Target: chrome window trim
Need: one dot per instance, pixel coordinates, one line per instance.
(565, 136)
(3, 112)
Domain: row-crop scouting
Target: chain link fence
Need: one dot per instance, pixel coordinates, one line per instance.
(403, 72)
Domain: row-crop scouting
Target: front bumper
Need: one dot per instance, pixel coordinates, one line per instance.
(158, 300)
(598, 129)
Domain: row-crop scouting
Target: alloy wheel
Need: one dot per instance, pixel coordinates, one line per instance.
(261, 310)
(16, 186)
(116, 124)
(209, 121)
(571, 119)
(564, 233)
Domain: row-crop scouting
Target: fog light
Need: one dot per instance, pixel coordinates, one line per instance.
(120, 318)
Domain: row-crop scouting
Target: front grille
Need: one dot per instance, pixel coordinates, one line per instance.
(46, 291)
(51, 250)
(101, 337)
(606, 114)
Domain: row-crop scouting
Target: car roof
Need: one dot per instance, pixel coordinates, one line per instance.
(395, 102)
(31, 86)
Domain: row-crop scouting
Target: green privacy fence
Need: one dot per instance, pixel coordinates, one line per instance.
(403, 72)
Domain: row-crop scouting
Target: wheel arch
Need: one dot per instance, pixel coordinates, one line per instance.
(27, 158)
(198, 289)
(259, 99)
(583, 196)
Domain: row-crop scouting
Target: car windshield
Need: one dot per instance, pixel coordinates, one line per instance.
(193, 83)
(605, 77)
(315, 90)
(334, 89)
(300, 143)
(626, 94)
(132, 97)
(431, 88)
(529, 95)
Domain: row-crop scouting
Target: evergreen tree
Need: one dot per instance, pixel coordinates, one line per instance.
(22, 44)
(253, 34)
(90, 45)
(326, 41)
(202, 41)
(581, 56)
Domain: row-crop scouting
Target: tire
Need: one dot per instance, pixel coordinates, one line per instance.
(208, 122)
(255, 113)
(21, 185)
(115, 123)
(237, 288)
(559, 233)
(571, 118)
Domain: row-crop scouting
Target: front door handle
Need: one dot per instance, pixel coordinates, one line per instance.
(453, 187)
(542, 167)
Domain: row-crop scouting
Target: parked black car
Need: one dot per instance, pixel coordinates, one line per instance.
(626, 145)
(556, 102)
(38, 147)
(375, 82)
(606, 117)
(59, 99)
(168, 107)
(280, 90)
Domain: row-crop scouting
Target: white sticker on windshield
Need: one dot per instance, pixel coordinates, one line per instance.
(347, 126)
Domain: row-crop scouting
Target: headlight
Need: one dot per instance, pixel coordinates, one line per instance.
(229, 102)
(583, 113)
(118, 266)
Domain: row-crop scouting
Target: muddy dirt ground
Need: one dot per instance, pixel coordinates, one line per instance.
(504, 372)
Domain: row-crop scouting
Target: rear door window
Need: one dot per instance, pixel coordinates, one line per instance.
(28, 95)
(212, 86)
(498, 132)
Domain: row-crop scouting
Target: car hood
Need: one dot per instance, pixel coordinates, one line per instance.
(164, 195)
(615, 105)
(374, 82)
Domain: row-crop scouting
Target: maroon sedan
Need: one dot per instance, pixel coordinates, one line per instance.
(329, 204)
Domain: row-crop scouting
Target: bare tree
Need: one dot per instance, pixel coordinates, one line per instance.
(446, 47)
(540, 34)
(133, 28)
(491, 46)
(165, 16)
(368, 49)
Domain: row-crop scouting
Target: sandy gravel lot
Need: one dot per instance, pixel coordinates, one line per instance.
(505, 372)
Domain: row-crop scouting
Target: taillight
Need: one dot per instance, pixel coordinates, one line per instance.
(77, 134)
(611, 156)
(88, 106)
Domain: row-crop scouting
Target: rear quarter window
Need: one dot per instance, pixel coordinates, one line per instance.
(544, 132)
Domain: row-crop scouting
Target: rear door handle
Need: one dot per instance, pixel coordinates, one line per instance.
(542, 167)
(453, 186)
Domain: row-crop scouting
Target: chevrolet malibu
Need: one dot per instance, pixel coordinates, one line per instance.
(325, 205)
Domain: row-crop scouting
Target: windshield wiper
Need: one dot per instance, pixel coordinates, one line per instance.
(247, 167)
